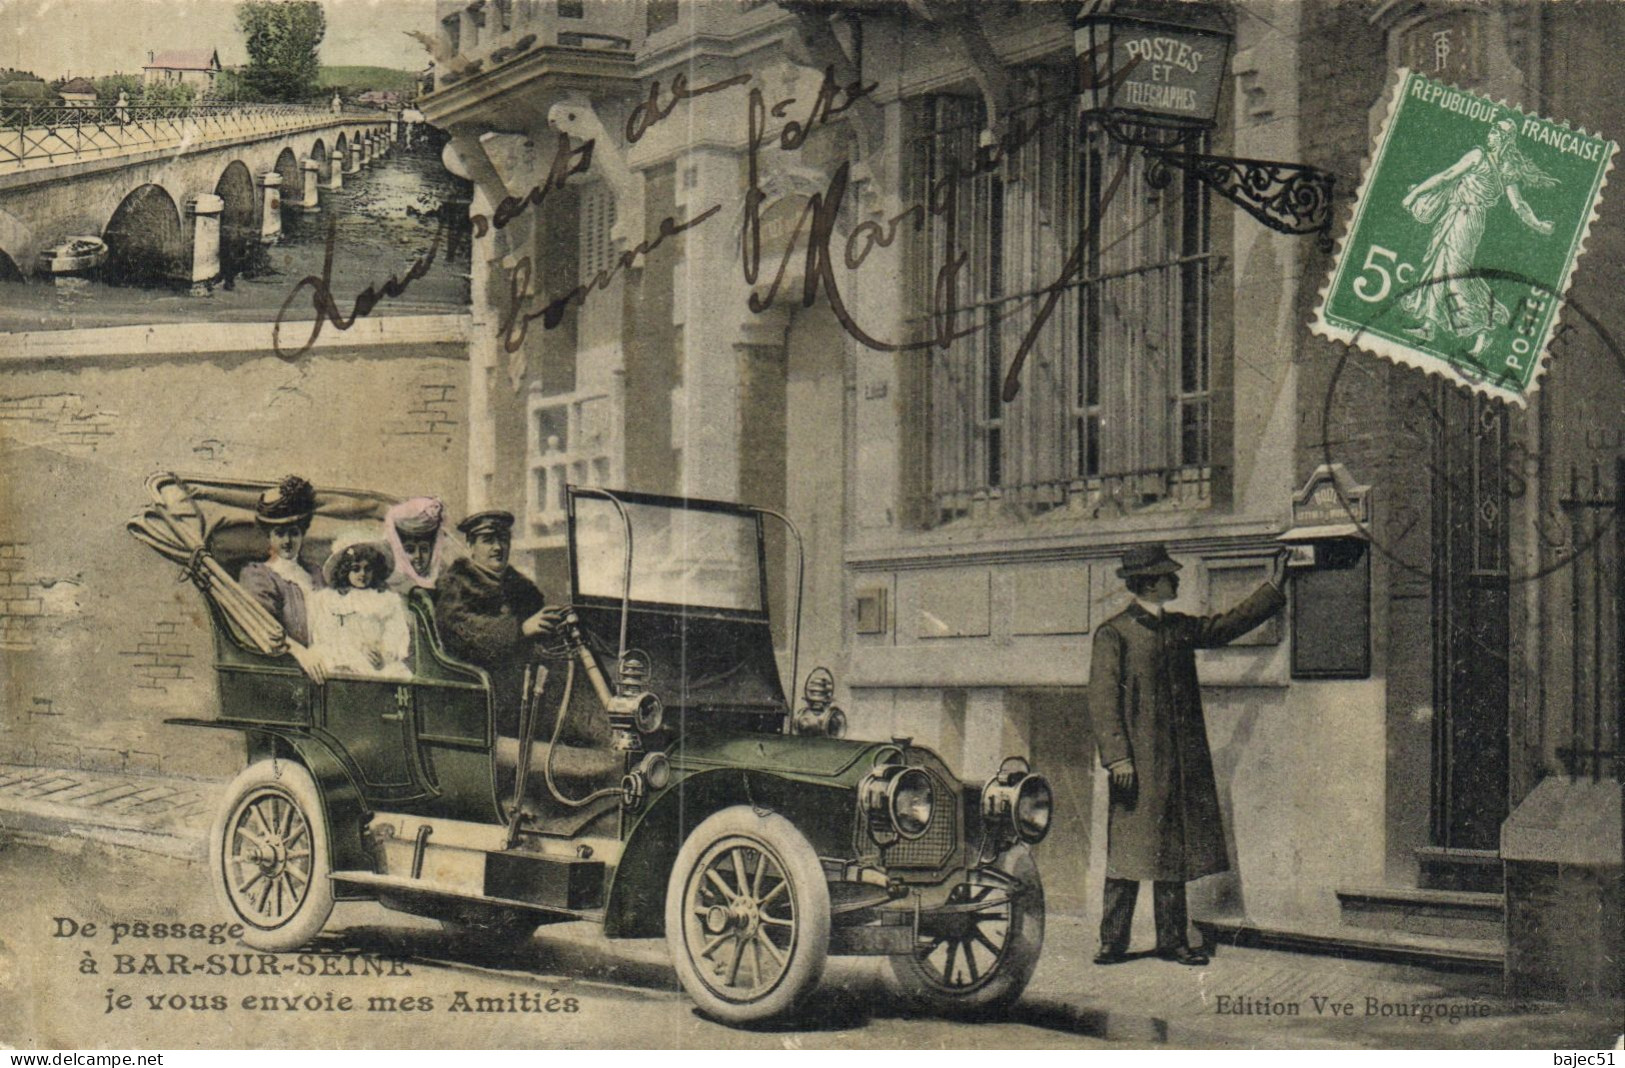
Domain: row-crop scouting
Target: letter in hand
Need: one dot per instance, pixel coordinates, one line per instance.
(1123, 776)
(1278, 568)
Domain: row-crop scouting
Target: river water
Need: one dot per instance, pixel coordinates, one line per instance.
(383, 219)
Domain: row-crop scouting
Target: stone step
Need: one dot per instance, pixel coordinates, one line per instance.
(1434, 913)
(1460, 869)
(1470, 955)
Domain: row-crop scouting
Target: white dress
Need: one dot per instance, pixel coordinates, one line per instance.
(346, 624)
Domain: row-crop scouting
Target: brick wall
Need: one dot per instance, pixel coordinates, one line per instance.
(161, 656)
(20, 602)
(99, 644)
(62, 419)
(432, 409)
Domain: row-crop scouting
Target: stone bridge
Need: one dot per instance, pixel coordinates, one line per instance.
(175, 193)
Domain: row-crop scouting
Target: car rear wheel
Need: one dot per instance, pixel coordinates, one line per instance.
(977, 953)
(747, 915)
(269, 854)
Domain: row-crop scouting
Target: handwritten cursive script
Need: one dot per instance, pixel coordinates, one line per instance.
(516, 320)
(326, 306)
(649, 112)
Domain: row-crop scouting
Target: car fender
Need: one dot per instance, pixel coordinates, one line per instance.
(823, 812)
(342, 805)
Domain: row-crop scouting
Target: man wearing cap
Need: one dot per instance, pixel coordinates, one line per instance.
(1145, 705)
(487, 612)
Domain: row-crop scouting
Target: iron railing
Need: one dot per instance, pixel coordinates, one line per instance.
(42, 135)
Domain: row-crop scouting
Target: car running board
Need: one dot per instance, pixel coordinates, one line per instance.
(384, 886)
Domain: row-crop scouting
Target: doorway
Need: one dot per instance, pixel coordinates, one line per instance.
(1471, 622)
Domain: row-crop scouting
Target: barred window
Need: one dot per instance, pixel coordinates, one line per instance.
(1113, 413)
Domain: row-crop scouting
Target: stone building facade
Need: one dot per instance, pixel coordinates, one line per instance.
(743, 291)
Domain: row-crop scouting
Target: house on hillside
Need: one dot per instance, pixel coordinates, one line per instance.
(77, 93)
(197, 67)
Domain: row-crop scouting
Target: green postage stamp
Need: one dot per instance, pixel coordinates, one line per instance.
(1468, 223)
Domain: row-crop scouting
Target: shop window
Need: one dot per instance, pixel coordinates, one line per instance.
(1114, 409)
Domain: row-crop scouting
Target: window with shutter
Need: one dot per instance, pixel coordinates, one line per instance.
(1113, 413)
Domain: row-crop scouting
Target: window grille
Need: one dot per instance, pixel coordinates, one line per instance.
(1113, 413)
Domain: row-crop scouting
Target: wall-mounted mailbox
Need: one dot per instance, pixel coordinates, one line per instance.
(1331, 576)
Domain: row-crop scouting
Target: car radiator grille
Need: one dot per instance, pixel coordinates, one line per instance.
(939, 844)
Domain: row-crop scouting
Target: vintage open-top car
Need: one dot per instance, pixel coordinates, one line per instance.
(645, 772)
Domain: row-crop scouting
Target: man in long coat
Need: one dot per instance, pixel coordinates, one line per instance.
(1146, 708)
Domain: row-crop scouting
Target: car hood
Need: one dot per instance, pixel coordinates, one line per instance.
(786, 754)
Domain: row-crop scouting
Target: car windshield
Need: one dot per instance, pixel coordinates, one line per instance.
(682, 556)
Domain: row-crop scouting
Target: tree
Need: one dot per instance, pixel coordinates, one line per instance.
(177, 94)
(109, 87)
(283, 38)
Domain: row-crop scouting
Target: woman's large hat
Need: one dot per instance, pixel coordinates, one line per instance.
(1148, 560)
(292, 500)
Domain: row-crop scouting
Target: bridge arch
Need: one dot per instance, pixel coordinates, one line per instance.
(145, 239)
(240, 221)
(287, 165)
(16, 244)
(318, 153)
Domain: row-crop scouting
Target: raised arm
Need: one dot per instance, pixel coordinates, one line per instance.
(1213, 631)
(1521, 208)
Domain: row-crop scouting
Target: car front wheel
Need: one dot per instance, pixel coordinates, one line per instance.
(747, 915)
(269, 855)
(978, 951)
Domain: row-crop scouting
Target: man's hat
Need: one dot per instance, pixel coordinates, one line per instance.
(1148, 560)
(292, 500)
(501, 522)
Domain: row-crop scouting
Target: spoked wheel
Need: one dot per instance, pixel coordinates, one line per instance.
(269, 853)
(747, 915)
(979, 950)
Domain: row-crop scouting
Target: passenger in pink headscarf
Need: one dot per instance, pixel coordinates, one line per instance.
(414, 534)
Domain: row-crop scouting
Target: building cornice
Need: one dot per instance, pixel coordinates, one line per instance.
(553, 70)
(1100, 539)
(131, 344)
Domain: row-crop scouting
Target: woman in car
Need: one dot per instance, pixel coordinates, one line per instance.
(413, 530)
(283, 583)
(357, 626)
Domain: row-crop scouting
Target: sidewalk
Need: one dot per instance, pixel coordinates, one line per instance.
(1244, 998)
(156, 814)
